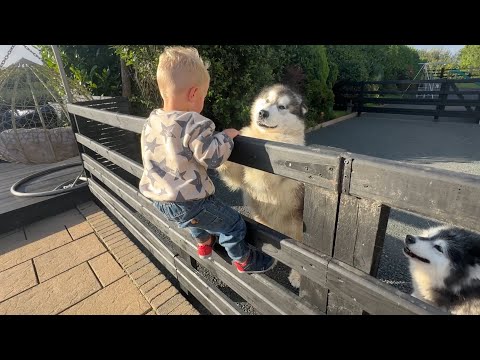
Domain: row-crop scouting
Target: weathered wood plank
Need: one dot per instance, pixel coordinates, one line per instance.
(420, 101)
(460, 95)
(444, 195)
(442, 98)
(425, 112)
(124, 162)
(346, 229)
(208, 294)
(18, 211)
(339, 304)
(320, 208)
(324, 174)
(434, 81)
(415, 92)
(303, 259)
(345, 242)
(361, 229)
(109, 100)
(372, 295)
(371, 229)
(122, 121)
(25, 211)
(319, 214)
(293, 161)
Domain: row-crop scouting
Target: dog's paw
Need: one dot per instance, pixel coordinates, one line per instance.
(294, 279)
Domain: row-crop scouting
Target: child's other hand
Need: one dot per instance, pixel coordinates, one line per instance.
(231, 133)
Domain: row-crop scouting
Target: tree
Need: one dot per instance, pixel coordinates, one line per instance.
(470, 57)
(351, 62)
(401, 62)
(373, 62)
(438, 58)
(355, 63)
(238, 73)
(96, 67)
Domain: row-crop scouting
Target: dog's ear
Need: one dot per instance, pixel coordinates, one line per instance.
(304, 109)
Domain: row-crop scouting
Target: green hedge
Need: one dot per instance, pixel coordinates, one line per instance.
(238, 73)
(95, 67)
(370, 63)
(374, 62)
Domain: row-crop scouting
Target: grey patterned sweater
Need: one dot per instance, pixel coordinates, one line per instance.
(177, 149)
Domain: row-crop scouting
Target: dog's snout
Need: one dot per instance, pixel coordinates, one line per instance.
(263, 114)
(410, 239)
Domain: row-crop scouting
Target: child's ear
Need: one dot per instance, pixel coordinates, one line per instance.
(192, 92)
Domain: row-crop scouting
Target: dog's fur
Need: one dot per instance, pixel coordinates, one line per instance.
(275, 201)
(445, 268)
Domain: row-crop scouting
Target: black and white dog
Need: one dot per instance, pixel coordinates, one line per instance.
(445, 268)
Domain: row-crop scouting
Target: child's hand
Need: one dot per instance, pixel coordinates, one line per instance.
(231, 133)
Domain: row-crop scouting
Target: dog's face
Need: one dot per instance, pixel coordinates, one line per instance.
(449, 256)
(278, 108)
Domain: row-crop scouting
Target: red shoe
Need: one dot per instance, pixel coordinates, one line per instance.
(257, 262)
(205, 251)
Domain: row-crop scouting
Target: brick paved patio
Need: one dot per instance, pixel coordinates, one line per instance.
(81, 262)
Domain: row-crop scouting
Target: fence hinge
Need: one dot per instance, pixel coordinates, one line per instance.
(346, 175)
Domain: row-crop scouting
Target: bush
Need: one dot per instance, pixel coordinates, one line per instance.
(370, 63)
(469, 58)
(238, 73)
(96, 67)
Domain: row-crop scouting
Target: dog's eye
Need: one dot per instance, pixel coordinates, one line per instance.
(437, 247)
(281, 107)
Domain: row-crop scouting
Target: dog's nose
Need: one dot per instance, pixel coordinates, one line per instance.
(263, 114)
(410, 239)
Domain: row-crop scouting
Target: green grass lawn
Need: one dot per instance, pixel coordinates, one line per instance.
(468, 86)
(392, 96)
(339, 113)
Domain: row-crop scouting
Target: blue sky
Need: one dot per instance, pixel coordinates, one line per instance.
(452, 48)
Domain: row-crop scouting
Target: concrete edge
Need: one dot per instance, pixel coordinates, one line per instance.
(331, 122)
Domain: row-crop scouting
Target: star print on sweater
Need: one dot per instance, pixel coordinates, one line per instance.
(177, 149)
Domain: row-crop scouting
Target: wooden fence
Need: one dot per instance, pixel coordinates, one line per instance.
(347, 203)
(437, 98)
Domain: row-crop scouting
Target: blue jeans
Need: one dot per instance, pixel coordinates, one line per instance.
(209, 216)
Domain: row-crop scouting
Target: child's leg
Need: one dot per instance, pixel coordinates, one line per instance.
(212, 216)
(217, 218)
(201, 236)
(179, 212)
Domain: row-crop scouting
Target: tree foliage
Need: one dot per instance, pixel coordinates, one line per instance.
(238, 73)
(96, 67)
(438, 58)
(469, 57)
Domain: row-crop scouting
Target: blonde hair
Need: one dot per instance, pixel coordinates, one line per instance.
(180, 68)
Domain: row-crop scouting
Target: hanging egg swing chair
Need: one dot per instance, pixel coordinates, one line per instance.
(35, 125)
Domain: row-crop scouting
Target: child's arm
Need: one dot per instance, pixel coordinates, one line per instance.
(210, 150)
(231, 133)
